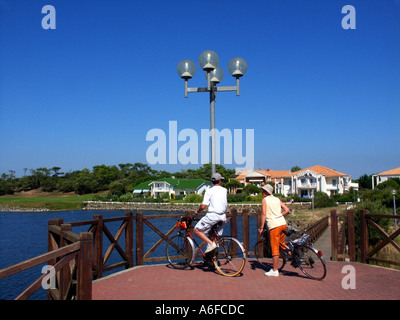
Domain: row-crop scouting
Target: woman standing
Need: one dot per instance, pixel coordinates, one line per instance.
(273, 212)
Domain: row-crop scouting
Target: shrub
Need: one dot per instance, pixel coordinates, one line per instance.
(240, 197)
(322, 200)
(194, 198)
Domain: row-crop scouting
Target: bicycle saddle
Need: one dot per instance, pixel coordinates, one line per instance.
(216, 226)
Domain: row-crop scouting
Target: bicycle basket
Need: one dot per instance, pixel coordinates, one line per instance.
(305, 238)
(183, 223)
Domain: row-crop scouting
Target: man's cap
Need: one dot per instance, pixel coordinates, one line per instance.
(268, 188)
(216, 177)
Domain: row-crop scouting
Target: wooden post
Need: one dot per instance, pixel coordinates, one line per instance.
(84, 268)
(129, 239)
(65, 273)
(139, 238)
(351, 236)
(52, 245)
(363, 237)
(334, 235)
(245, 230)
(234, 229)
(98, 247)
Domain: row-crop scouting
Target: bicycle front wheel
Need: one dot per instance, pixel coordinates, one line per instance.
(310, 262)
(230, 257)
(264, 258)
(179, 251)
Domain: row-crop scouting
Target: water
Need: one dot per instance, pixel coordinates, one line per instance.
(23, 235)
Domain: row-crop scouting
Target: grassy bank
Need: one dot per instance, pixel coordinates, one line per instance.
(51, 201)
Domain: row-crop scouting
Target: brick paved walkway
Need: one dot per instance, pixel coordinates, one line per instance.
(160, 282)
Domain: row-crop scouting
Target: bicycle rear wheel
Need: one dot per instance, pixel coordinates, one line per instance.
(264, 258)
(230, 257)
(179, 251)
(310, 262)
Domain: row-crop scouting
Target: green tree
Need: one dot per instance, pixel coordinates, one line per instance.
(233, 185)
(251, 189)
(365, 182)
(104, 175)
(6, 184)
(84, 183)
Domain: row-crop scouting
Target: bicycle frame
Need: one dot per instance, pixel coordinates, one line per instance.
(293, 246)
(188, 234)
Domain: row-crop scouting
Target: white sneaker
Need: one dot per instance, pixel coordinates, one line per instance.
(272, 273)
(210, 247)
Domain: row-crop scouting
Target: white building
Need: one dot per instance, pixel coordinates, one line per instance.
(172, 186)
(386, 175)
(303, 182)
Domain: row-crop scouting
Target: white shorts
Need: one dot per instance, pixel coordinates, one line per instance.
(210, 219)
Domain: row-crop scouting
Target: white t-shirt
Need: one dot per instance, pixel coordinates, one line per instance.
(216, 199)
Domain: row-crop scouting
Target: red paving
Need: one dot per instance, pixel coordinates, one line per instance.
(160, 282)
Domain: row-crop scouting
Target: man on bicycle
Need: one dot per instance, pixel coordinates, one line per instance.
(215, 199)
(273, 212)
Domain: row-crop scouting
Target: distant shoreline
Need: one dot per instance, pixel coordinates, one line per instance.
(148, 206)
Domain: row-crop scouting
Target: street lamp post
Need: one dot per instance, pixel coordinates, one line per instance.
(208, 61)
(394, 207)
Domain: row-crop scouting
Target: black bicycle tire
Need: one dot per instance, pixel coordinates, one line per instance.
(241, 253)
(186, 244)
(266, 261)
(313, 255)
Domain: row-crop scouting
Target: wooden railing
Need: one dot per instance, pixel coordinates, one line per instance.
(98, 227)
(75, 265)
(367, 253)
(78, 254)
(344, 243)
(316, 229)
(141, 220)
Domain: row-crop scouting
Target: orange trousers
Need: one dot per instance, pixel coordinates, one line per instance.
(277, 238)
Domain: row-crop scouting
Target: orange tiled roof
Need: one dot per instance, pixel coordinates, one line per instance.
(392, 172)
(276, 173)
(323, 170)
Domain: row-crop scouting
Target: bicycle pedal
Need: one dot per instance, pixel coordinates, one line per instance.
(208, 263)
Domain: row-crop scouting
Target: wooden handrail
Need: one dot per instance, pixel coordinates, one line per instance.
(339, 237)
(81, 248)
(30, 263)
(366, 253)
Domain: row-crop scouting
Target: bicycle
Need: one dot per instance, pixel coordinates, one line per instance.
(302, 254)
(229, 258)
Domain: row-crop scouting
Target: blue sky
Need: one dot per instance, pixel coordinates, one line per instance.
(88, 92)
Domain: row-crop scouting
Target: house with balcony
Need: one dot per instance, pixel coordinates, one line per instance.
(172, 186)
(386, 175)
(303, 182)
(319, 178)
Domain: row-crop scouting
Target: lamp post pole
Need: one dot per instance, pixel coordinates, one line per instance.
(394, 207)
(209, 61)
(212, 128)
